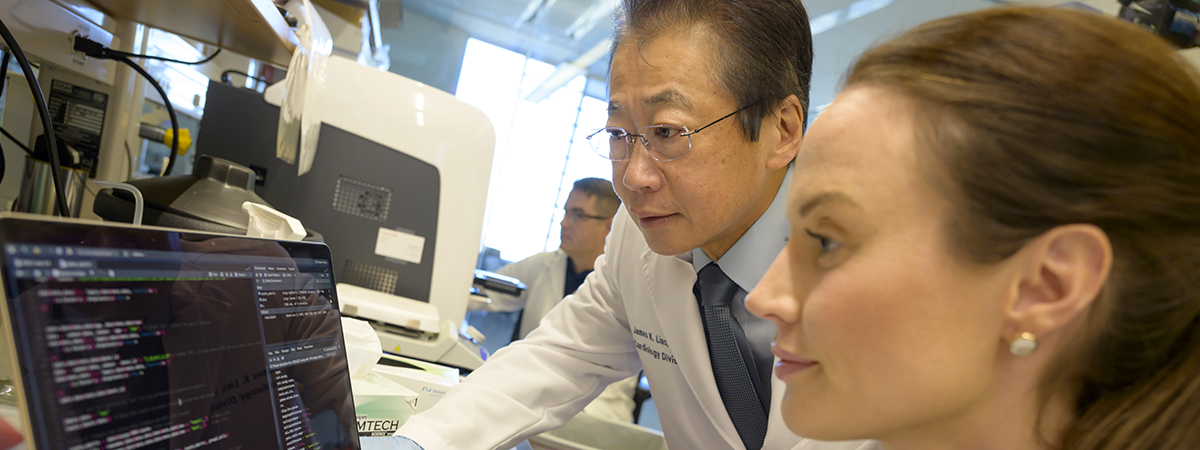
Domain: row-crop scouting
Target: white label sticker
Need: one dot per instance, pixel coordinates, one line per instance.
(400, 245)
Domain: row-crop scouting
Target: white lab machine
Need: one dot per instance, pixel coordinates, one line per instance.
(411, 328)
(418, 311)
(397, 188)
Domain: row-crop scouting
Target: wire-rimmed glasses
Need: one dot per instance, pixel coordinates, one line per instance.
(577, 215)
(666, 142)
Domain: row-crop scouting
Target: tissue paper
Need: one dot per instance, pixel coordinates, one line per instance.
(380, 404)
(363, 349)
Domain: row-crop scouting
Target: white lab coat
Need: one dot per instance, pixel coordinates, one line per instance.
(545, 276)
(636, 310)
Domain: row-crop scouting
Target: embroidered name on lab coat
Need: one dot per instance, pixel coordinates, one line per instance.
(656, 347)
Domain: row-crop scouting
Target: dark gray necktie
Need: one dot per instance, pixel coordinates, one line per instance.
(715, 291)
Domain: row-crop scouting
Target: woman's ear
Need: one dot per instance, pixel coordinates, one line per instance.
(1062, 273)
(788, 124)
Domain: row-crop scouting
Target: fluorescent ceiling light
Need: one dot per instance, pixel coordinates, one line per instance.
(826, 21)
(534, 8)
(829, 20)
(567, 71)
(864, 7)
(599, 11)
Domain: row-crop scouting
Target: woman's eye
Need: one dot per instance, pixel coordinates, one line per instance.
(827, 245)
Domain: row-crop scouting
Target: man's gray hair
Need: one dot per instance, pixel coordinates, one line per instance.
(763, 51)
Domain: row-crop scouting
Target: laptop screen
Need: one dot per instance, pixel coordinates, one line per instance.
(135, 338)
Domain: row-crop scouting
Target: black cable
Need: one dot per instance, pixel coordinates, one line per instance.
(4, 71)
(166, 102)
(96, 49)
(44, 111)
(225, 77)
(176, 61)
(15, 141)
(4, 74)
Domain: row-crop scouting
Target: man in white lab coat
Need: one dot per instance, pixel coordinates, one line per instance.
(707, 104)
(550, 276)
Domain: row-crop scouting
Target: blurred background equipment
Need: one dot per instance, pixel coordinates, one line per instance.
(1174, 20)
(38, 190)
(210, 199)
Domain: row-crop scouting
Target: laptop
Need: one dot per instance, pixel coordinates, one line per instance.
(126, 338)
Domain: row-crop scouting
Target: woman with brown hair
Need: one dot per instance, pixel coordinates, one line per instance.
(996, 243)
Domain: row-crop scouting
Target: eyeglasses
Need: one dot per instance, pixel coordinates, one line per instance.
(662, 142)
(575, 215)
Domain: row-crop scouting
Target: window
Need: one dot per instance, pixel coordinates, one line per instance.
(540, 147)
(186, 87)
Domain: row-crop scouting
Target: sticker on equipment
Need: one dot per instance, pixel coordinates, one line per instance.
(400, 245)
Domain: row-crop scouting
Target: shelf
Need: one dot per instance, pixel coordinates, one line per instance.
(250, 27)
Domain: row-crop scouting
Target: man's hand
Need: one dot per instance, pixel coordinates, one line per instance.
(388, 443)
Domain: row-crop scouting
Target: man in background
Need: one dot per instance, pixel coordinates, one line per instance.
(550, 276)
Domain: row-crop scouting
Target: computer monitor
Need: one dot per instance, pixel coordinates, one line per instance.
(150, 338)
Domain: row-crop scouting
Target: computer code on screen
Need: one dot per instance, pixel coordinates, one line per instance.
(178, 343)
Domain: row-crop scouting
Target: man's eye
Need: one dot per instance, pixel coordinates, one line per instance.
(666, 132)
(617, 134)
(827, 245)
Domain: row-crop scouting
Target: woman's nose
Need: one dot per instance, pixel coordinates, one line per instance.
(773, 298)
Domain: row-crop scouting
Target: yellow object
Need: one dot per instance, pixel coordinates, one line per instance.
(185, 139)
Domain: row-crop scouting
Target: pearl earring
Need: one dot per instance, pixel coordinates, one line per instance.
(1023, 345)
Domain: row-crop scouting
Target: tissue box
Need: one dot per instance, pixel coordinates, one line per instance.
(429, 381)
(381, 405)
(439, 370)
